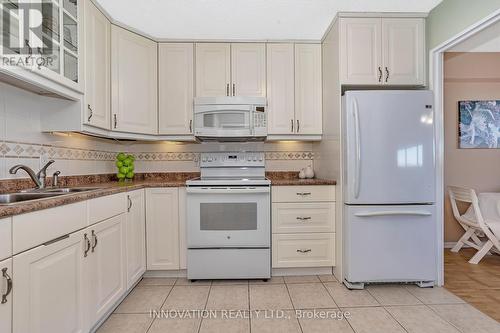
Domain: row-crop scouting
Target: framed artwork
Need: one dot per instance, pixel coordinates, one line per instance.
(479, 124)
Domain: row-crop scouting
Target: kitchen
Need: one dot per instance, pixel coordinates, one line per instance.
(216, 216)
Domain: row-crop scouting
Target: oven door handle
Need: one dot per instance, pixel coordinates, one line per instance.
(227, 190)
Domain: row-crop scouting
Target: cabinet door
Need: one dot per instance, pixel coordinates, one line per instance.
(48, 293)
(134, 82)
(403, 45)
(308, 87)
(97, 68)
(248, 69)
(176, 88)
(213, 69)
(106, 265)
(280, 88)
(162, 228)
(5, 290)
(182, 229)
(136, 237)
(360, 55)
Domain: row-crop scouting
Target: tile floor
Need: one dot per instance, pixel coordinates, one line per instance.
(292, 304)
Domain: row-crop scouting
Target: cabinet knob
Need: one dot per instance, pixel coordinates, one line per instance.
(291, 121)
(129, 203)
(91, 113)
(387, 74)
(9, 285)
(304, 250)
(87, 245)
(94, 240)
(379, 74)
(191, 126)
(303, 218)
(115, 120)
(298, 126)
(234, 89)
(227, 89)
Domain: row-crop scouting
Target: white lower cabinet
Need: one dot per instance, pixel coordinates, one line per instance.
(303, 250)
(162, 228)
(136, 237)
(6, 296)
(105, 266)
(48, 293)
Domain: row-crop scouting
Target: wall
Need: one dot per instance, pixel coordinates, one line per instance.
(468, 76)
(451, 17)
(22, 142)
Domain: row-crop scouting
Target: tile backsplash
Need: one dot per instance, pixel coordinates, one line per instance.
(22, 142)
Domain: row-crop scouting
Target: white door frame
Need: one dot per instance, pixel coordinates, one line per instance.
(436, 82)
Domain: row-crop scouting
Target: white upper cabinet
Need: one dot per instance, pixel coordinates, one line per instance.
(134, 82)
(176, 88)
(97, 68)
(308, 89)
(403, 45)
(213, 69)
(361, 58)
(280, 88)
(382, 51)
(248, 69)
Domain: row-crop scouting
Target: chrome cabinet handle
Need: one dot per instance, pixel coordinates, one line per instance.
(291, 121)
(304, 250)
(386, 74)
(304, 218)
(234, 89)
(9, 285)
(379, 74)
(303, 193)
(227, 89)
(91, 113)
(298, 126)
(191, 126)
(87, 243)
(94, 241)
(115, 120)
(129, 203)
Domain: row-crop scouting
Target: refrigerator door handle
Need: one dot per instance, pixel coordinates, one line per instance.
(393, 213)
(357, 165)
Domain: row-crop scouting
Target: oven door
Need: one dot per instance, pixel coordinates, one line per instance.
(228, 217)
(223, 121)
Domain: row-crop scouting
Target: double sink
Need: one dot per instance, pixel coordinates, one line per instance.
(38, 194)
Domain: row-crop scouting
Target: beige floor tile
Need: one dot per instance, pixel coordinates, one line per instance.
(186, 282)
(332, 321)
(310, 296)
(274, 322)
(372, 320)
(420, 319)
(467, 318)
(272, 280)
(177, 325)
(393, 295)
(157, 282)
(224, 322)
(327, 278)
(302, 279)
(144, 299)
(269, 297)
(350, 298)
(434, 295)
(187, 298)
(126, 323)
(229, 282)
(228, 297)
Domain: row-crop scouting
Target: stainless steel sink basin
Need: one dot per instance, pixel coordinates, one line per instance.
(70, 189)
(11, 198)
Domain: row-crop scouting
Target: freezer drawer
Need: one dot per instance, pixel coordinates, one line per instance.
(390, 243)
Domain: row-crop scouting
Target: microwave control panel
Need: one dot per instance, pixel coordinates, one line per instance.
(259, 120)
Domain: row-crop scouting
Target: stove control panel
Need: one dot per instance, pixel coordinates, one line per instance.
(239, 159)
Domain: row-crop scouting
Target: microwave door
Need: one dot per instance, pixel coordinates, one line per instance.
(225, 121)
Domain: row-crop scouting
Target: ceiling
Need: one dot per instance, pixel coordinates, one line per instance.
(245, 19)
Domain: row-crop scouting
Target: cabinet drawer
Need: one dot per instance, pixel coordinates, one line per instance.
(5, 238)
(303, 217)
(32, 229)
(303, 250)
(106, 207)
(303, 193)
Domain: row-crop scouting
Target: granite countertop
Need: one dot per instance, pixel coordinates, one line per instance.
(107, 185)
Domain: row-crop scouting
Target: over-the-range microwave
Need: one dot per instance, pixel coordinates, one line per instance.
(230, 118)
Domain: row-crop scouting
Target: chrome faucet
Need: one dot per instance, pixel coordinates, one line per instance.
(38, 178)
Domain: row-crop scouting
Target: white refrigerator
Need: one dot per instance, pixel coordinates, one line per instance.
(389, 187)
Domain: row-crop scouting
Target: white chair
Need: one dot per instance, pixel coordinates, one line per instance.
(474, 225)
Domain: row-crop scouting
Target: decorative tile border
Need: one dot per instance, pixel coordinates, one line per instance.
(33, 150)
